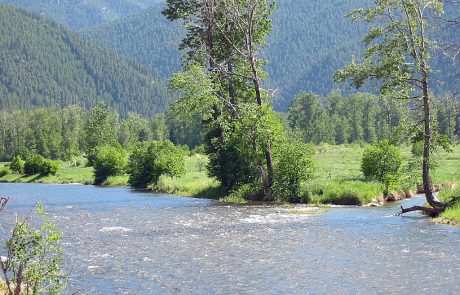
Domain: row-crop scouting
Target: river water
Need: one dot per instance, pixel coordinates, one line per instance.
(118, 241)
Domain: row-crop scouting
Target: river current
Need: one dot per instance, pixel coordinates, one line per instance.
(118, 241)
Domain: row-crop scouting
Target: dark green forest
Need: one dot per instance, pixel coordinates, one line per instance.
(148, 37)
(303, 46)
(44, 64)
(309, 42)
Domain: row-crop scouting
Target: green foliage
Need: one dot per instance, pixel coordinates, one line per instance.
(294, 165)
(109, 161)
(33, 164)
(100, 128)
(34, 258)
(335, 119)
(232, 163)
(36, 164)
(4, 171)
(17, 165)
(134, 129)
(149, 161)
(245, 192)
(382, 163)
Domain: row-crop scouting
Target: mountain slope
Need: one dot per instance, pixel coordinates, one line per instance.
(310, 41)
(80, 14)
(43, 64)
(148, 37)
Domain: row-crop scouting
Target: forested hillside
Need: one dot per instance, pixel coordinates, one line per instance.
(44, 64)
(310, 41)
(148, 37)
(79, 14)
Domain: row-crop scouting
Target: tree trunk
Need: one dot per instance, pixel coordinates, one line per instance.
(231, 83)
(268, 155)
(427, 185)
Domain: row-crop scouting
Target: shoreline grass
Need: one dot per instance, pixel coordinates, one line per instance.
(338, 181)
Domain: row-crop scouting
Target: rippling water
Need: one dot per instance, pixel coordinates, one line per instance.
(122, 242)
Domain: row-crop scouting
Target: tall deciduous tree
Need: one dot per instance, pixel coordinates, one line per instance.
(397, 55)
(225, 37)
(100, 128)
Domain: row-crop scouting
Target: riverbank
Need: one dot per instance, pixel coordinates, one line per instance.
(195, 182)
(338, 180)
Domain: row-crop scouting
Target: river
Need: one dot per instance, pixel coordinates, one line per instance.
(119, 241)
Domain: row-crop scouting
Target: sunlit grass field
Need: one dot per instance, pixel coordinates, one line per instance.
(338, 179)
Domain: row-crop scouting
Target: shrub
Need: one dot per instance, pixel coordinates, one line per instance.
(34, 259)
(17, 165)
(4, 172)
(109, 161)
(382, 163)
(248, 191)
(148, 161)
(36, 164)
(293, 165)
(33, 164)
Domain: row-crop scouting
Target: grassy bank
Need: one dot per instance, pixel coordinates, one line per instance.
(338, 180)
(452, 214)
(65, 175)
(194, 183)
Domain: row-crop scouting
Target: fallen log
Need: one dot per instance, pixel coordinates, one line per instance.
(428, 210)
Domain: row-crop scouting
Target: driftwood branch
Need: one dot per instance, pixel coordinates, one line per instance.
(3, 202)
(427, 210)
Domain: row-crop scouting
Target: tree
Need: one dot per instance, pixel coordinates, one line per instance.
(225, 37)
(100, 128)
(36, 164)
(134, 129)
(294, 165)
(397, 55)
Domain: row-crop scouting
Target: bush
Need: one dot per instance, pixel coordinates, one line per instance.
(382, 163)
(36, 164)
(33, 164)
(49, 167)
(293, 165)
(109, 161)
(248, 191)
(17, 165)
(148, 161)
(33, 265)
(4, 172)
